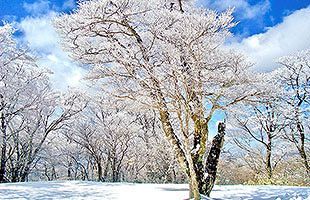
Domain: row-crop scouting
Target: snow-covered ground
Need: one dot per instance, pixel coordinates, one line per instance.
(126, 191)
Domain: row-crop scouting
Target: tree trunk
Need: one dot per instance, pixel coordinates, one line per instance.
(113, 166)
(212, 162)
(186, 163)
(193, 182)
(105, 174)
(25, 174)
(69, 175)
(54, 175)
(15, 173)
(99, 171)
(201, 177)
(3, 148)
(172, 138)
(303, 155)
(198, 151)
(268, 161)
(46, 172)
(205, 175)
(301, 149)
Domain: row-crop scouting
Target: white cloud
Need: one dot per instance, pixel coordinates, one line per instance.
(243, 9)
(287, 37)
(41, 37)
(69, 4)
(39, 33)
(38, 7)
(66, 73)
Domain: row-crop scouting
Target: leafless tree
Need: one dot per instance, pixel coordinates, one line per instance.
(165, 59)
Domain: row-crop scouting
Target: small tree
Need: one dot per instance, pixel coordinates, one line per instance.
(295, 78)
(22, 86)
(106, 132)
(29, 109)
(257, 129)
(165, 57)
(52, 114)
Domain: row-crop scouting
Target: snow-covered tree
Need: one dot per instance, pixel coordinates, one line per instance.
(21, 88)
(165, 55)
(106, 132)
(30, 110)
(50, 115)
(295, 78)
(257, 128)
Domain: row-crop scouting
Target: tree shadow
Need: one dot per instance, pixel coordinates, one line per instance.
(56, 190)
(171, 189)
(264, 193)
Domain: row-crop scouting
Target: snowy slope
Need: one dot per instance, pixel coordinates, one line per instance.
(127, 191)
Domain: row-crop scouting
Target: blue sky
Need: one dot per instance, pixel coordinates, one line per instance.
(254, 16)
(19, 9)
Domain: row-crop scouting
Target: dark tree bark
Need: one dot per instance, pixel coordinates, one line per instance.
(4, 143)
(99, 166)
(54, 174)
(201, 129)
(16, 169)
(46, 173)
(106, 169)
(305, 161)
(69, 175)
(212, 161)
(180, 5)
(268, 157)
(25, 174)
(301, 147)
(113, 167)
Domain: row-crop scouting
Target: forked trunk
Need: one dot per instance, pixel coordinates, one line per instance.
(201, 177)
(206, 174)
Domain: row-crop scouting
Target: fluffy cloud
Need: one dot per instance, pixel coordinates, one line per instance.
(243, 9)
(39, 33)
(38, 7)
(287, 37)
(66, 73)
(41, 38)
(69, 4)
